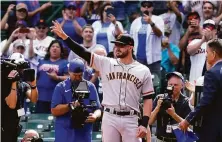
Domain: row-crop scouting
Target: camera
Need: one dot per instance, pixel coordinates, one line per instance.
(27, 74)
(167, 99)
(80, 113)
(146, 12)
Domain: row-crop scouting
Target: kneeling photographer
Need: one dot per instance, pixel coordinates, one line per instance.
(75, 104)
(169, 108)
(18, 83)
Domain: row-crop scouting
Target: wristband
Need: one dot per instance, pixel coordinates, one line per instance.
(145, 120)
(33, 87)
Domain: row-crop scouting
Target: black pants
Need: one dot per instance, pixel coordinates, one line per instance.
(9, 134)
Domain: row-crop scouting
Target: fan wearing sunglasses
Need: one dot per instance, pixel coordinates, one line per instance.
(42, 40)
(197, 50)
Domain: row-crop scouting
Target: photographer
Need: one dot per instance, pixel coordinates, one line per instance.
(67, 104)
(170, 108)
(13, 93)
(31, 136)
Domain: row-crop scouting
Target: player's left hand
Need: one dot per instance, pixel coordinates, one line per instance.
(141, 132)
(91, 118)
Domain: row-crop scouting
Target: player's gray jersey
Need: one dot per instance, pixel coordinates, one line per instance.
(122, 84)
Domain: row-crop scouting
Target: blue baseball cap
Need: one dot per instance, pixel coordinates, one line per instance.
(70, 4)
(76, 66)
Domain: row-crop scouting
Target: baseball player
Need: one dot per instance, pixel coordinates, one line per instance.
(124, 81)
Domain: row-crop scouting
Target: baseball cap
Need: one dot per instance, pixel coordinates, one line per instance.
(209, 24)
(21, 6)
(193, 15)
(42, 22)
(18, 57)
(17, 44)
(124, 39)
(147, 3)
(76, 66)
(71, 4)
(21, 23)
(175, 73)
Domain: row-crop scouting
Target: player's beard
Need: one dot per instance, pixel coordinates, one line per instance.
(122, 54)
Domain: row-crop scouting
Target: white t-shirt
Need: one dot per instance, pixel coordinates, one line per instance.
(40, 46)
(171, 23)
(197, 61)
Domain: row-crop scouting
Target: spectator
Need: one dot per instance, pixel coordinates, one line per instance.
(106, 28)
(87, 34)
(42, 41)
(79, 5)
(90, 10)
(170, 55)
(193, 32)
(197, 50)
(24, 35)
(13, 14)
(208, 12)
(147, 31)
(34, 10)
(51, 70)
(173, 20)
(71, 24)
(63, 100)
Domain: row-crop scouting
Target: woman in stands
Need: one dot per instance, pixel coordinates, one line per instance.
(107, 27)
(51, 70)
(90, 10)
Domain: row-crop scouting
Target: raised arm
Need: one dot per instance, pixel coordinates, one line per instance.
(74, 46)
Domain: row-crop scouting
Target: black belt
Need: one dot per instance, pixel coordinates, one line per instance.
(165, 139)
(122, 113)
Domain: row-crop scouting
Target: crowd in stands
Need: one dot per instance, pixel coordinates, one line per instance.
(168, 36)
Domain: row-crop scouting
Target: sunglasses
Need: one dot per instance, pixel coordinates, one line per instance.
(71, 8)
(147, 5)
(120, 45)
(209, 26)
(191, 17)
(22, 10)
(20, 47)
(42, 28)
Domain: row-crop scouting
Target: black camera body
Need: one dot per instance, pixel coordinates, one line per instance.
(167, 99)
(80, 113)
(27, 74)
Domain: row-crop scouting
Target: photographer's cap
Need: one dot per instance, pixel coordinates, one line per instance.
(175, 73)
(18, 57)
(124, 39)
(76, 66)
